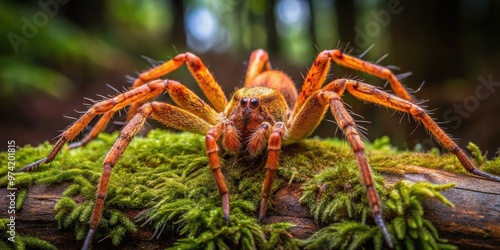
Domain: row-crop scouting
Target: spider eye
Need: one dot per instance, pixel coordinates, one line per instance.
(254, 103)
(244, 101)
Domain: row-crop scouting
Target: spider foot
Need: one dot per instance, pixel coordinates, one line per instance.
(225, 207)
(32, 166)
(76, 144)
(262, 211)
(486, 175)
(380, 223)
(88, 239)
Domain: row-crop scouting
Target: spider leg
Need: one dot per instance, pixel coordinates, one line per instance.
(200, 72)
(313, 109)
(347, 125)
(372, 94)
(309, 116)
(171, 116)
(273, 151)
(372, 69)
(179, 93)
(317, 74)
(189, 101)
(259, 62)
(96, 129)
(120, 101)
(211, 138)
(313, 81)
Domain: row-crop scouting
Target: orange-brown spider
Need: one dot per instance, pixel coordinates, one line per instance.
(267, 112)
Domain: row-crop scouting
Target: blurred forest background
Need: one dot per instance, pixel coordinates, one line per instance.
(55, 52)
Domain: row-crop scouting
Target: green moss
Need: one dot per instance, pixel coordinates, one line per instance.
(21, 242)
(344, 235)
(492, 166)
(165, 174)
(337, 194)
(409, 226)
(479, 158)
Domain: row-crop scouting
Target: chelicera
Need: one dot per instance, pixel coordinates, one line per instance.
(265, 114)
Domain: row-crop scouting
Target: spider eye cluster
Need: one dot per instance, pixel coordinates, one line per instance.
(253, 102)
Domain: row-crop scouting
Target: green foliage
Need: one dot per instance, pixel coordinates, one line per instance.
(482, 162)
(383, 143)
(300, 161)
(337, 194)
(64, 207)
(345, 235)
(28, 242)
(165, 174)
(206, 228)
(21, 196)
(21, 242)
(492, 166)
(408, 226)
(479, 158)
(337, 198)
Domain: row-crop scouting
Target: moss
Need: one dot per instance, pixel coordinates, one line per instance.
(409, 226)
(492, 166)
(479, 158)
(337, 194)
(338, 201)
(21, 242)
(165, 174)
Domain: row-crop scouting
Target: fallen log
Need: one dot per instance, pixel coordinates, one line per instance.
(473, 223)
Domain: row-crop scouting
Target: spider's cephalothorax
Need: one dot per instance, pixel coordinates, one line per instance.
(252, 110)
(262, 116)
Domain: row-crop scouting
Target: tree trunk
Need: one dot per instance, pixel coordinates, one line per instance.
(473, 223)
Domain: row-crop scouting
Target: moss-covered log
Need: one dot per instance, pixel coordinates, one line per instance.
(474, 222)
(162, 181)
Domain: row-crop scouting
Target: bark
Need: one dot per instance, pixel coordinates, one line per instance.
(473, 223)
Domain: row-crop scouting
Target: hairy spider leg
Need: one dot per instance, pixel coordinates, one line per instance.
(272, 162)
(191, 102)
(167, 114)
(372, 69)
(181, 95)
(318, 71)
(314, 80)
(258, 63)
(372, 94)
(120, 101)
(100, 125)
(313, 110)
(347, 125)
(212, 149)
(211, 89)
(310, 115)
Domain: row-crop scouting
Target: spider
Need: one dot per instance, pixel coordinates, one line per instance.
(265, 114)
